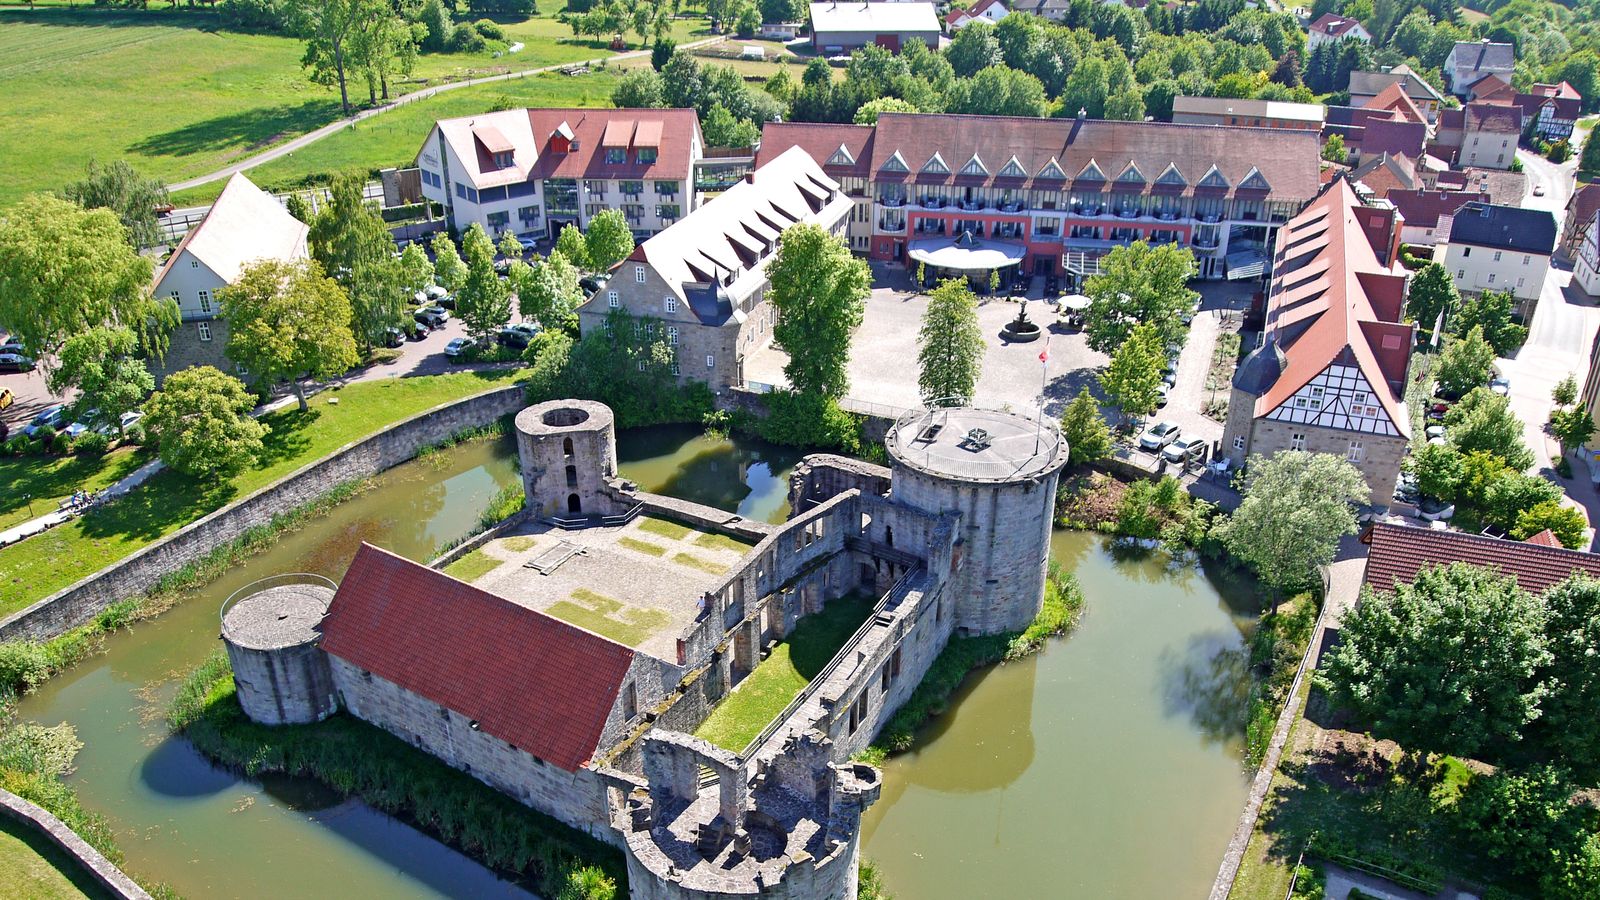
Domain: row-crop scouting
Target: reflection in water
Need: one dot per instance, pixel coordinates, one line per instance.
(740, 474)
(1107, 766)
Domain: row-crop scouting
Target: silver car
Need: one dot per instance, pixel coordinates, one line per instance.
(1159, 436)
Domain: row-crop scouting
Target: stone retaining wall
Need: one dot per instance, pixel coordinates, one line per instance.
(38, 819)
(139, 572)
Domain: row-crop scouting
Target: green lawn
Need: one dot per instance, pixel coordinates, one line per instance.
(606, 616)
(32, 867)
(472, 566)
(764, 693)
(392, 139)
(713, 541)
(178, 99)
(669, 530)
(44, 481)
(639, 546)
(45, 563)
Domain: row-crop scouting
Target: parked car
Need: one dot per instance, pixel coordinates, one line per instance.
(526, 242)
(1162, 434)
(456, 347)
(1538, 190)
(435, 292)
(393, 337)
(1184, 450)
(1438, 410)
(418, 331)
(593, 284)
(15, 362)
(49, 417)
(1500, 385)
(11, 345)
(519, 335)
(1435, 434)
(126, 420)
(448, 301)
(1435, 510)
(1163, 394)
(432, 316)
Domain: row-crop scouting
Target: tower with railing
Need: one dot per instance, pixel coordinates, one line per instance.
(272, 629)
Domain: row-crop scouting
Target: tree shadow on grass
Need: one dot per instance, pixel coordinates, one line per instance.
(247, 130)
(286, 438)
(165, 502)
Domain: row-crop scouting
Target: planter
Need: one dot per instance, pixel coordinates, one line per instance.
(1020, 332)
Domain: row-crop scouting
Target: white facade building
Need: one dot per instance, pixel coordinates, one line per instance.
(1501, 248)
(1586, 268)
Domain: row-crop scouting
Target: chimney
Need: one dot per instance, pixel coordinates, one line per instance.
(749, 178)
(1083, 113)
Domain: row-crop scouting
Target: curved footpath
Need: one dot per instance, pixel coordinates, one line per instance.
(337, 125)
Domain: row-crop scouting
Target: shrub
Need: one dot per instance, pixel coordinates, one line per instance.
(466, 39)
(490, 30)
(91, 443)
(803, 420)
(45, 436)
(17, 445)
(24, 665)
(134, 434)
(60, 443)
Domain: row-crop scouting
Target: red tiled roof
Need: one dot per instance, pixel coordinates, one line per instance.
(1422, 209)
(1323, 307)
(1394, 98)
(1562, 107)
(1584, 202)
(528, 133)
(1494, 118)
(1394, 137)
(1285, 158)
(1399, 552)
(1545, 538)
(1491, 89)
(543, 685)
(1334, 25)
(822, 142)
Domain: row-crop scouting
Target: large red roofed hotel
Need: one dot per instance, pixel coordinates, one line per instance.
(1063, 191)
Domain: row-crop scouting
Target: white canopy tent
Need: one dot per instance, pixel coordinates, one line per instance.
(966, 253)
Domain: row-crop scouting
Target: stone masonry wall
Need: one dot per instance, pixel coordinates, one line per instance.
(36, 818)
(78, 603)
(575, 798)
(1381, 455)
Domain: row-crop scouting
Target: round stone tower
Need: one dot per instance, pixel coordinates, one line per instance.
(273, 630)
(568, 450)
(998, 470)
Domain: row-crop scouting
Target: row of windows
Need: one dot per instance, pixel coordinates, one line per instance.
(616, 156)
(1527, 258)
(431, 178)
(1461, 275)
(1297, 441)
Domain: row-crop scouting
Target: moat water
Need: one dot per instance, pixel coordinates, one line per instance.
(1108, 766)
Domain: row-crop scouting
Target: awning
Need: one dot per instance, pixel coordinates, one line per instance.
(967, 253)
(1074, 302)
(1246, 264)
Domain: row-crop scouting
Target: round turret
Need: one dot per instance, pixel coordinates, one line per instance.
(568, 450)
(998, 470)
(273, 631)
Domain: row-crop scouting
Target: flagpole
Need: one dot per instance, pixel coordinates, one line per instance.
(1044, 382)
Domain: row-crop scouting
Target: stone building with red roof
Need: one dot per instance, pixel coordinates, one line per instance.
(1329, 376)
(1059, 193)
(532, 171)
(1397, 553)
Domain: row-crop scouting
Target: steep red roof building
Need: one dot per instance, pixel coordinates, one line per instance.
(1397, 553)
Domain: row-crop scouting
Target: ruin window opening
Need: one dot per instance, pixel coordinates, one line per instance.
(566, 447)
(888, 535)
(574, 505)
(572, 476)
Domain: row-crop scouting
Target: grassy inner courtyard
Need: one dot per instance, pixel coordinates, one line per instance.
(796, 660)
(45, 563)
(32, 867)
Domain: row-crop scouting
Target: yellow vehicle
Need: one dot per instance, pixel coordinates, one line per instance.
(5, 398)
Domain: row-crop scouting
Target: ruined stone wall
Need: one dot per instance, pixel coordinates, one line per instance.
(137, 573)
(822, 476)
(576, 798)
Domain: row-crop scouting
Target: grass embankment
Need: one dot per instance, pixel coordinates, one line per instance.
(1276, 648)
(1063, 605)
(48, 562)
(33, 867)
(360, 760)
(756, 700)
(206, 97)
(44, 481)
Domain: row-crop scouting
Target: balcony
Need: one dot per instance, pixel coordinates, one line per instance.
(933, 202)
(1167, 215)
(1088, 212)
(1046, 237)
(892, 225)
(971, 205)
(926, 226)
(892, 202)
(1128, 212)
(1205, 243)
(1011, 206)
(1210, 218)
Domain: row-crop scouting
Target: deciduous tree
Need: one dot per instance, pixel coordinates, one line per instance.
(200, 420)
(329, 28)
(286, 320)
(1333, 150)
(119, 188)
(1139, 284)
(1569, 730)
(1133, 379)
(1445, 664)
(1565, 522)
(1572, 426)
(1087, 435)
(354, 247)
(447, 264)
(484, 301)
(1296, 507)
(103, 364)
(608, 241)
(1439, 469)
(950, 344)
(547, 291)
(64, 270)
(1430, 294)
(1465, 364)
(1565, 393)
(1483, 420)
(1492, 311)
(575, 247)
(416, 272)
(819, 290)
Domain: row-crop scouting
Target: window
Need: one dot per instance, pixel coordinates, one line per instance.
(1297, 441)
(667, 188)
(1460, 274)
(1497, 256)
(1491, 278)
(1355, 452)
(631, 188)
(1520, 281)
(616, 156)
(528, 214)
(1359, 398)
(1526, 258)
(498, 221)
(204, 329)
(672, 335)
(205, 301)
(647, 155)
(711, 361)
(597, 188)
(194, 263)
(671, 304)
(612, 300)
(638, 274)
(174, 296)
(666, 210)
(1466, 252)
(1238, 442)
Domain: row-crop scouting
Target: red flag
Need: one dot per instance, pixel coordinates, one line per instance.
(1044, 355)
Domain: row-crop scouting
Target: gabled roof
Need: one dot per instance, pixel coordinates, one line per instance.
(245, 224)
(526, 678)
(1491, 88)
(1370, 84)
(1334, 26)
(879, 18)
(1320, 305)
(1386, 173)
(1494, 118)
(1399, 552)
(823, 143)
(532, 136)
(1394, 97)
(1504, 228)
(1584, 202)
(716, 255)
(1392, 136)
(1473, 56)
(1561, 107)
(1423, 209)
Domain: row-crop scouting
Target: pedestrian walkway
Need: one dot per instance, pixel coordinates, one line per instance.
(52, 519)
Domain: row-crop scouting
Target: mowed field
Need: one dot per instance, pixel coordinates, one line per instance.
(178, 100)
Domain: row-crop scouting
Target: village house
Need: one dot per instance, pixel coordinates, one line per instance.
(1586, 262)
(1398, 553)
(532, 171)
(1329, 376)
(840, 27)
(1489, 135)
(1552, 108)
(988, 11)
(1581, 207)
(1427, 214)
(1251, 113)
(1057, 194)
(1331, 29)
(704, 280)
(1501, 248)
(1470, 61)
(1364, 86)
(244, 225)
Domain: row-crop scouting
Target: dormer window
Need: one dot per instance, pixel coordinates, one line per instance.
(503, 160)
(647, 155)
(616, 156)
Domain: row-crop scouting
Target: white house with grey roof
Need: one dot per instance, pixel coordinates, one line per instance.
(1471, 61)
(244, 225)
(704, 280)
(839, 27)
(1501, 248)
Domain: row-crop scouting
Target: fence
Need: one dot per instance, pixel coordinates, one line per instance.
(177, 224)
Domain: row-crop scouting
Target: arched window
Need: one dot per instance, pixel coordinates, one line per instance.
(566, 446)
(574, 505)
(572, 476)
(888, 535)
